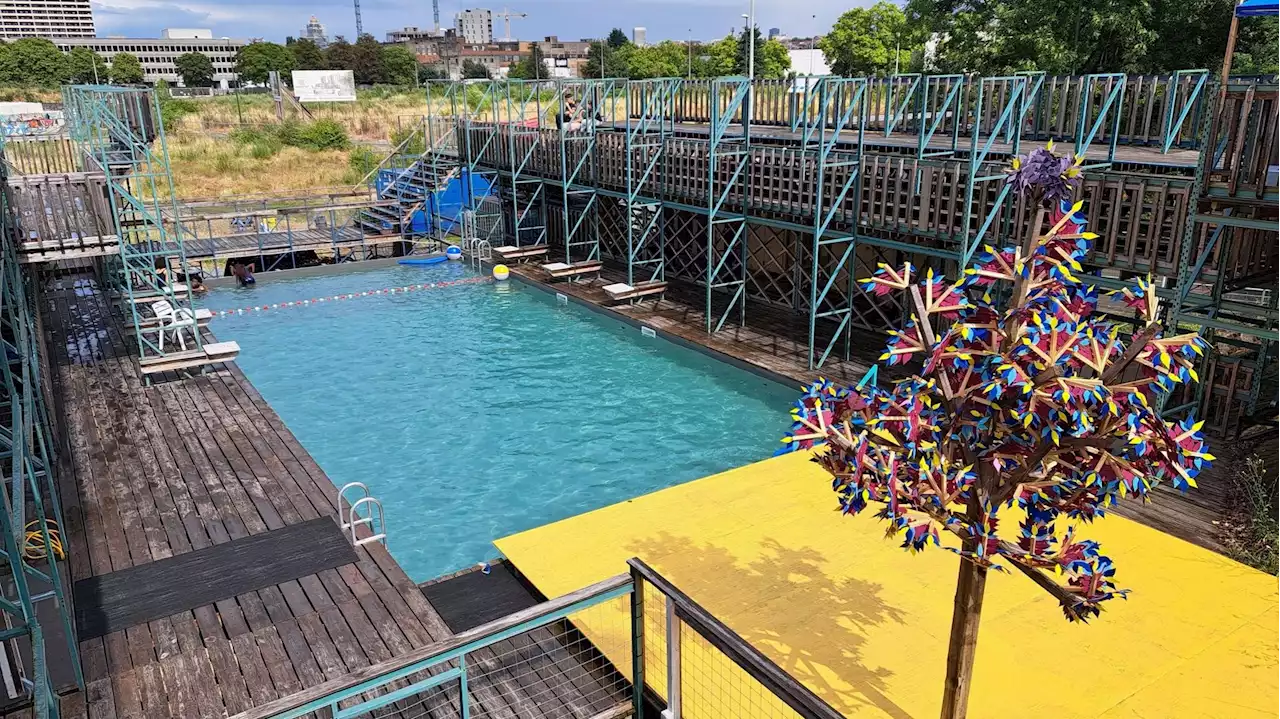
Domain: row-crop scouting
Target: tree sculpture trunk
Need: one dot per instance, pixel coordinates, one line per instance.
(970, 587)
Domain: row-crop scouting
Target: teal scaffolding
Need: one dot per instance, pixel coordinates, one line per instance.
(728, 180)
(121, 135)
(650, 106)
(522, 122)
(841, 105)
(33, 587)
(577, 127)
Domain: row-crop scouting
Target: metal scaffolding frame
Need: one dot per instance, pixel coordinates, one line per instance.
(120, 133)
(1012, 108)
(525, 142)
(841, 105)
(31, 507)
(576, 130)
(650, 107)
(728, 161)
(485, 212)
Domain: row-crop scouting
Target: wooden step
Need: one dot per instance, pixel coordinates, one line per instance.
(622, 291)
(511, 252)
(559, 270)
(212, 353)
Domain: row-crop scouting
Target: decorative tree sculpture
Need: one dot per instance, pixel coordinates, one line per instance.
(1023, 395)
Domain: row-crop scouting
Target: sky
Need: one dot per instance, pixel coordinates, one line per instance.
(568, 19)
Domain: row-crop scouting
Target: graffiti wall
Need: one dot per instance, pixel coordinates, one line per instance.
(28, 124)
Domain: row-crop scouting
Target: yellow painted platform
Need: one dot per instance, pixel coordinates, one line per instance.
(864, 624)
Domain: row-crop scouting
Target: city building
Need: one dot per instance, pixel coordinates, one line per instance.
(314, 32)
(774, 32)
(186, 33)
(566, 56)
(413, 35)
(638, 36)
(45, 18)
(474, 26)
(496, 57)
(158, 55)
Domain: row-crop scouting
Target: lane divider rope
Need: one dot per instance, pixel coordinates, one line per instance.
(351, 296)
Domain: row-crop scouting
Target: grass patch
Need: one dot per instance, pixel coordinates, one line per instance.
(211, 166)
(1253, 537)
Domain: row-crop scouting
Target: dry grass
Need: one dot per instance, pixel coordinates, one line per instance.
(205, 166)
(369, 118)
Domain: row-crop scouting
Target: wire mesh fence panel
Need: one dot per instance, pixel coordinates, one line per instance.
(556, 670)
(713, 686)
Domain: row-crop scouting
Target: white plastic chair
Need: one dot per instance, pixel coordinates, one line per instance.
(174, 320)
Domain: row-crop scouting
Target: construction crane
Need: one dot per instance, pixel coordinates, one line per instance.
(435, 12)
(506, 16)
(359, 25)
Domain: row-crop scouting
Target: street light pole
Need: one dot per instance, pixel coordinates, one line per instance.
(689, 74)
(750, 36)
(813, 42)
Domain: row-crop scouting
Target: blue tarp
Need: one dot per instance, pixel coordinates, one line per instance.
(1254, 8)
(450, 200)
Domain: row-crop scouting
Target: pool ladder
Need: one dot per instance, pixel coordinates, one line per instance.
(349, 519)
(478, 251)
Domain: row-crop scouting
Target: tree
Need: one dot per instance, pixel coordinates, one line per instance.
(772, 59)
(195, 68)
(1023, 396)
(1137, 36)
(1256, 47)
(531, 67)
(473, 70)
(256, 61)
(870, 41)
(666, 59)
(400, 65)
(717, 59)
(367, 61)
(307, 55)
(340, 55)
(34, 61)
(126, 69)
(617, 38)
(615, 61)
(87, 66)
(430, 72)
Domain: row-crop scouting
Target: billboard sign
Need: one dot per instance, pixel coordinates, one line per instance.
(324, 85)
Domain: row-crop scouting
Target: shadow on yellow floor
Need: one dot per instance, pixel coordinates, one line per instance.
(864, 624)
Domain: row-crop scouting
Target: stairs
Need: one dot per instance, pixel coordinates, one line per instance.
(414, 188)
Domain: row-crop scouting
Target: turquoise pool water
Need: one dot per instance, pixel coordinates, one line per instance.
(476, 411)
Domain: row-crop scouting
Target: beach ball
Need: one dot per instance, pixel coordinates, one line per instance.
(500, 272)
(454, 253)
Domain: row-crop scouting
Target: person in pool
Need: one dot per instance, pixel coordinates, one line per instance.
(197, 286)
(243, 274)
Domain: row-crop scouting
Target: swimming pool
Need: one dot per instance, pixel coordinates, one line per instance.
(478, 410)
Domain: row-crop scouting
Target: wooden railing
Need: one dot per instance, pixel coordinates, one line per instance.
(1159, 110)
(61, 215)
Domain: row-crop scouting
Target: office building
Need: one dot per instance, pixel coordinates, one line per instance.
(158, 55)
(185, 33)
(45, 18)
(774, 32)
(638, 36)
(475, 27)
(314, 32)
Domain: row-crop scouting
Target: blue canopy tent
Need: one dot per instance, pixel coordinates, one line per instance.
(1254, 8)
(1247, 8)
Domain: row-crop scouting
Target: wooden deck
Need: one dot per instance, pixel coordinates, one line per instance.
(148, 473)
(778, 346)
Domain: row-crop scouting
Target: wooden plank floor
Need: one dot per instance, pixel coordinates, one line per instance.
(780, 347)
(148, 473)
